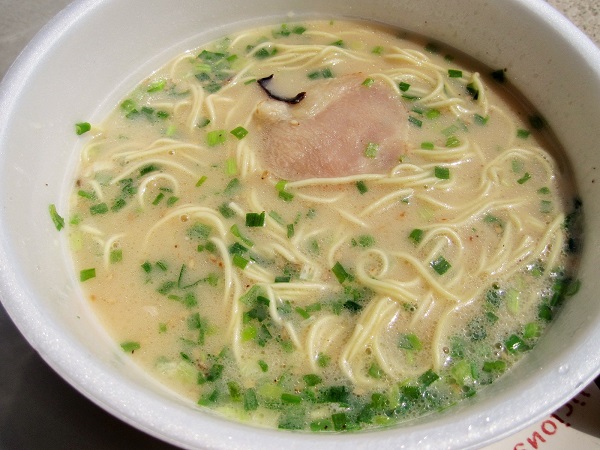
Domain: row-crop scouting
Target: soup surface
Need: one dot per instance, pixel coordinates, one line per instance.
(323, 226)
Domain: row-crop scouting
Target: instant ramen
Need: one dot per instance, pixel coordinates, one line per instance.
(323, 226)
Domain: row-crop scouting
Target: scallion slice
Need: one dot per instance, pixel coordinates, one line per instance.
(82, 127)
(414, 121)
(440, 265)
(240, 261)
(443, 173)
(368, 82)
(371, 150)
(87, 274)
(362, 187)
(403, 86)
(416, 235)
(339, 272)
(255, 219)
(239, 132)
(59, 222)
(201, 180)
(524, 178)
(216, 137)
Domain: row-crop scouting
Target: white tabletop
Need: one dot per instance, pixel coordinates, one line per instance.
(38, 410)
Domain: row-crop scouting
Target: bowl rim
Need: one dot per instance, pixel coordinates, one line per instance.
(46, 338)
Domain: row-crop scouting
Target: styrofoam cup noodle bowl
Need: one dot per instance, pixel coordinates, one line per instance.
(84, 61)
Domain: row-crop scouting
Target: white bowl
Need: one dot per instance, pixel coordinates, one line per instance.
(94, 52)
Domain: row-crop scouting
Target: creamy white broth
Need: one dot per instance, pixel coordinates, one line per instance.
(322, 300)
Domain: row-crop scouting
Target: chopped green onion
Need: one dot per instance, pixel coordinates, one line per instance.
(250, 400)
(230, 167)
(91, 195)
(427, 145)
(311, 379)
(546, 206)
(100, 208)
(201, 180)
(290, 230)
(130, 346)
(249, 333)
(523, 134)
(453, 73)
(157, 86)
(264, 53)
(403, 86)
(216, 137)
(371, 150)
(378, 50)
(452, 142)
(416, 235)
(340, 421)
(494, 366)
(116, 255)
(416, 122)
(87, 274)
(323, 360)
(432, 113)
(203, 122)
(449, 131)
(147, 169)
(276, 217)
(517, 165)
(232, 186)
(283, 194)
(411, 97)
(263, 365)
(544, 190)
(440, 265)
(375, 371)
(364, 241)
(240, 261)
(480, 119)
(410, 341)
(524, 178)
(226, 211)
(339, 272)
(82, 127)
(428, 377)
(239, 132)
(158, 198)
(473, 91)
(59, 222)
(236, 232)
(532, 330)
(199, 231)
(362, 187)
(255, 219)
(302, 312)
(515, 344)
(443, 173)
(368, 82)
(128, 106)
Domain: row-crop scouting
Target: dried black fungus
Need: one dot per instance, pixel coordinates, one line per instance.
(263, 82)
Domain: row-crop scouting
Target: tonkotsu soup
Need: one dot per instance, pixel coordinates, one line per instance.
(323, 226)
